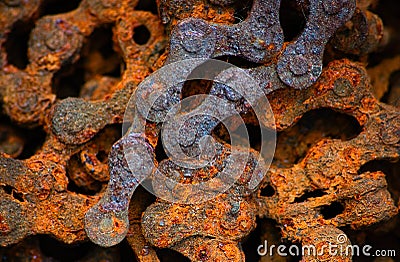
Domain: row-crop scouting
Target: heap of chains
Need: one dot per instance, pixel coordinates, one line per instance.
(34, 194)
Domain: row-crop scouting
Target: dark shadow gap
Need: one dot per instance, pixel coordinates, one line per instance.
(387, 10)
(310, 194)
(11, 191)
(251, 242)
(159, 151)
(193, 88)
(294, 142)
(22, 141)
(238, 134)
(196, 87)
(267, 191)
(52, 7)
(35, 139)
(221, 133)
(266, 239)
(169, 255)
(392, 96)
(293, 17)
(382, 236)
(59, 251)
(255, 137)
(79, 181)
(391, 168)
(242, 10)
(200, 82)
(68, 81)
(97, 58)
(141, 35)
(237, 61)
(46, 248)
(17, 44)
(260, 139)
(126, 252)
(102, 156)
(80, 178)
(147, 5)
(332, 210)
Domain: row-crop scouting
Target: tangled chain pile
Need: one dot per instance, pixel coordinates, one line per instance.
(60, 189)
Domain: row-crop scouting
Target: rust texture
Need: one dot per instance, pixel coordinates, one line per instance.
(329, 69)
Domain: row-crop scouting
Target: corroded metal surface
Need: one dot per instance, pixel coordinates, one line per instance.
(60, 187)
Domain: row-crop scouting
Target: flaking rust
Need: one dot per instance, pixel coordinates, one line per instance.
(61, 188)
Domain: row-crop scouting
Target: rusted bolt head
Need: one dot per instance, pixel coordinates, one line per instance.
(342, 87)
(299, 65)
(56, 40)
(106, 225)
